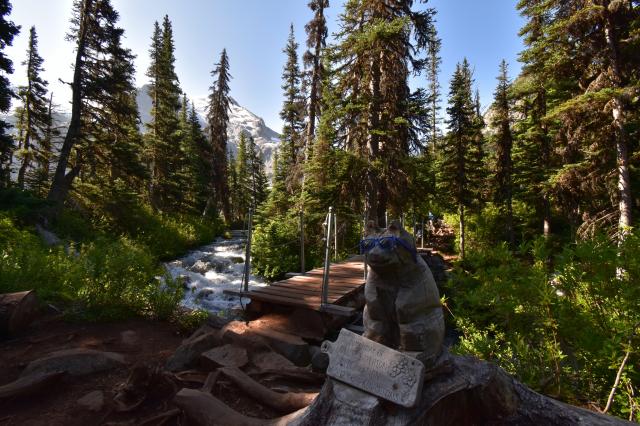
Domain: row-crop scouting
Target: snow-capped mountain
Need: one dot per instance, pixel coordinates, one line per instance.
(240, 120)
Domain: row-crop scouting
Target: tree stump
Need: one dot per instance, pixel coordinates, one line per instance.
(17, 311)
(458, 391)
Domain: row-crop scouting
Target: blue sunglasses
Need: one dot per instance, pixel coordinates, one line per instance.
(386, 243)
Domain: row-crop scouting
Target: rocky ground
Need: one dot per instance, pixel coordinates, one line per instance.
(129, 372)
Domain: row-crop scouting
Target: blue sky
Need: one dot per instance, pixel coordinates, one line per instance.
(254, 33)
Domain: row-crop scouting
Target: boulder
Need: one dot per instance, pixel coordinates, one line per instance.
(236, 259)
(76, 362)
(129, 337)
(225, 356)
(190, 350)
(93, 401)
(319, 359)
(201, 267)
(257, 335)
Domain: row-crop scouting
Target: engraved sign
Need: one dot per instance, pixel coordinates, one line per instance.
(375, 368)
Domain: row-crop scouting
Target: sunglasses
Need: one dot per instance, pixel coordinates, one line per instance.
(387, 244)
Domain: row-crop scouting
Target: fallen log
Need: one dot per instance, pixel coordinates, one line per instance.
(29, 385)
(17, 311)
(283, 402)
(203, 409)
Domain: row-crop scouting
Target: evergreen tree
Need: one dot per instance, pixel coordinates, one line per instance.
(39, 179)
(316, 40)
(258, 178)
(503, 141)
(243, 178)
(217, 123)
(375, 116)
(34, 103)
(585, 51)
(165, 151)
(457, 150)
(103, 101)
(8, 30)
(433, 70)
(292, 113)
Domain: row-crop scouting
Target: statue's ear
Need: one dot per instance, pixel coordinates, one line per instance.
(371, 228)
(395, 227)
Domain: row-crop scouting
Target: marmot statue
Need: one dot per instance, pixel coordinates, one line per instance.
(403, 309)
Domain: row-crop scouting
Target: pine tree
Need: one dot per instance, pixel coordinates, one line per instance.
(433, 69)
(243, 178)
(292, 114)
(258, 178)
(167, 157)
(503, 141)
(374, 117)
(8, 30)
(316, 39)
(34, 103)
(39, 179)
(217, 123)
(103, 100)
(457, 150)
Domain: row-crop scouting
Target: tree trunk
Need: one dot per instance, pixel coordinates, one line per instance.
(622, 146)
(466, 392)
(17, 311)
(61, 180)
(461, 211)
(372, 205)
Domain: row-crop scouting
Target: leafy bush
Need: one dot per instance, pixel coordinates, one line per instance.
(276, 247)
(564, 332)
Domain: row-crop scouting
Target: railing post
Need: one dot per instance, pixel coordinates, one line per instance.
(364, 235)
(247, 255)
(335, 238)
(327, 260)
(422, 234)
(303, 268)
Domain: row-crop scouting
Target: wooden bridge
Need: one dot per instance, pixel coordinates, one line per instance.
(305, 291)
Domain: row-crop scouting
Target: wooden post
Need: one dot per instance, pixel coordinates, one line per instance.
(303, 268)
(386, 219)
(327, 259)
(247, 255)
(422, 235)
(364, 235)
(335, 238)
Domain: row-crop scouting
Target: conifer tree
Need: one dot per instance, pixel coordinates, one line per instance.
(378, 46)
(39, 178)
(433, 69)
(503, 141)
(8, 30)
(34, 103)
(292, 114)
(316, 41)
(103, 99)
(258, 178)
(217, 123)
(243, 178)
(457, 148)
(164, 142)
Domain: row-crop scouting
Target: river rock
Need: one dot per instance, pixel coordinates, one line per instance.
(77, 362)
(225, 356)
(93, 401)
(204, 293)
(201, 267)
(190, 350)
(236, 259)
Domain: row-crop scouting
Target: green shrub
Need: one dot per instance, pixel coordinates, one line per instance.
(275, 247)
(563, 333)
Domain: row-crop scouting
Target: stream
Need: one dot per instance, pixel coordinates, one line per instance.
(209, 270)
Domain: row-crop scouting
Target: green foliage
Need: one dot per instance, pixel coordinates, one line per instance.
(276, 247)
(189, 321)
(564, 332)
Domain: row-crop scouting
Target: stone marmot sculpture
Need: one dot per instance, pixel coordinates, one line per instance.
(403, 309)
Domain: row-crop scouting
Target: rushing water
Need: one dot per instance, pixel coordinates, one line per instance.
(211, 269)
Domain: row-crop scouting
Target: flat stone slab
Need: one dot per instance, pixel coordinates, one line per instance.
(76, 362)
(375, 368)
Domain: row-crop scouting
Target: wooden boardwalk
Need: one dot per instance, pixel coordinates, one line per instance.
(305, 291)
